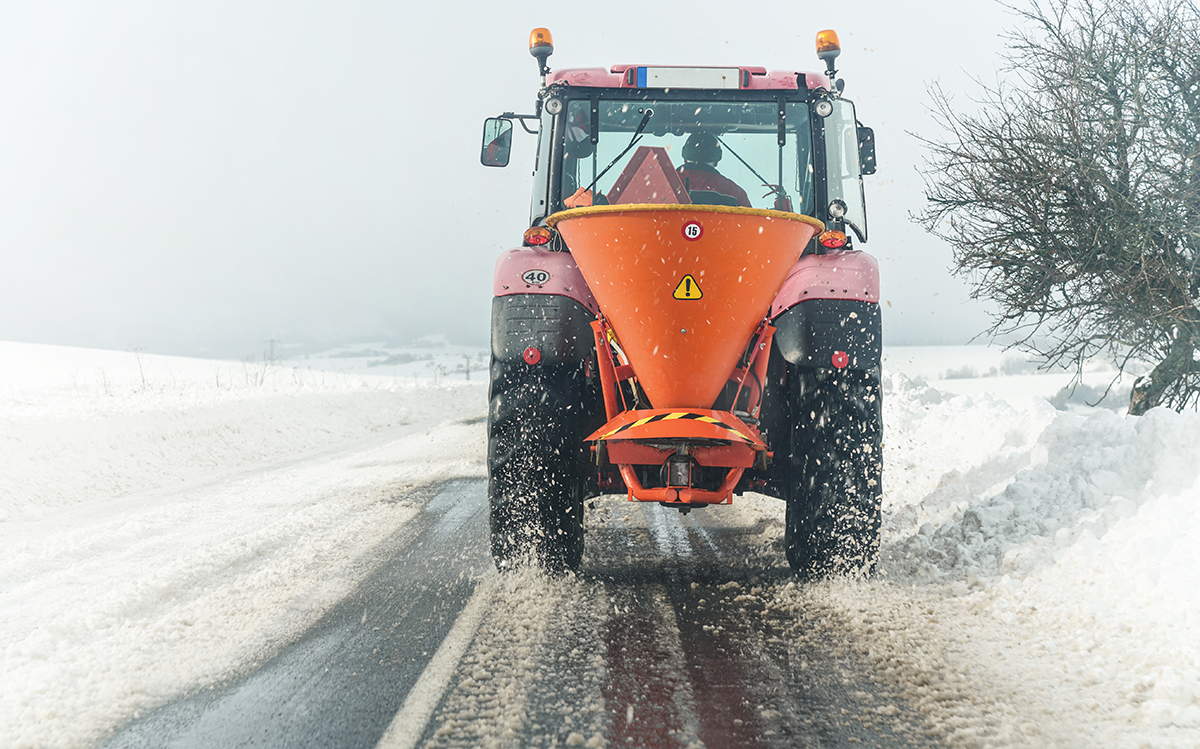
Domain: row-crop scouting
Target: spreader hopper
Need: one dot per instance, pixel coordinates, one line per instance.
(684, 286)
(683, 292)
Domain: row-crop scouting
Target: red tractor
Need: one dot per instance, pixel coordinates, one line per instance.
(689, 317)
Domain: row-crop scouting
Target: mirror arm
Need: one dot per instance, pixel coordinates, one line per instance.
(857, 231)
(520, 118)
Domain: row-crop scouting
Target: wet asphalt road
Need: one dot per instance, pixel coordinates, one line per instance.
(669, 635)
(343, 681)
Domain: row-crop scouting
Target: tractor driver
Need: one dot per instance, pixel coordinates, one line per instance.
(699, 172)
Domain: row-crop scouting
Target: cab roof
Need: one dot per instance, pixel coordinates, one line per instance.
(687, 77)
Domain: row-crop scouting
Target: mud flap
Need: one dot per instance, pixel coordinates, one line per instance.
(828, 332)
(557, 326)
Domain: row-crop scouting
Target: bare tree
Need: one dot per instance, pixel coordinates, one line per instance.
(1072, 196)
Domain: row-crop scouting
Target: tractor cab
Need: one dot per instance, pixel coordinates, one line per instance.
(789, 140)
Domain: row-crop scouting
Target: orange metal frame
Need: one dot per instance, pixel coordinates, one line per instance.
(635, 436)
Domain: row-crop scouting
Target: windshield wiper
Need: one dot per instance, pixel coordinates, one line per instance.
(637, 135)
(777, 188)
(744, 162)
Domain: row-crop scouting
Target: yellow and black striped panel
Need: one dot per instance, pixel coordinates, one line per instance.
(681, 415)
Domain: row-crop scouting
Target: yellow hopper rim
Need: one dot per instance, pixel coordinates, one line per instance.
(642, 207)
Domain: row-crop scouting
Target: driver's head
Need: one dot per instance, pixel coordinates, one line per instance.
(579, 140)
(703, 148)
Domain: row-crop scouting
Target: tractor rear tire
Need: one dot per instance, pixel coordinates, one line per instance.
(537, 464)
(835, 472)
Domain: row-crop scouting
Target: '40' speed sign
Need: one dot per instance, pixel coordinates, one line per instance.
(535, 277)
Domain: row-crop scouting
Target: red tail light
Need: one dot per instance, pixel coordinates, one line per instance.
(536, 236)
(832, 240)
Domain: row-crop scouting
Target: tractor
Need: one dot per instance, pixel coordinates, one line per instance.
(689, 316)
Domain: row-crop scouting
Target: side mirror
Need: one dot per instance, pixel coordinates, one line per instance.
(497, 142)
(866, 149)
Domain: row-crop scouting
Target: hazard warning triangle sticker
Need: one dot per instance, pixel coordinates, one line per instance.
(688, 289)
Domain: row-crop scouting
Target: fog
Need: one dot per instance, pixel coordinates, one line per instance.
(200, 178)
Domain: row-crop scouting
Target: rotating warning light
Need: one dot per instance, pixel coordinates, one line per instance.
(832, 240)
(536, 236)
(541, 46)
(541, 39)
(828, 46)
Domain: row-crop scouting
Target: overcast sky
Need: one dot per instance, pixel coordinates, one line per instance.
(198, 178)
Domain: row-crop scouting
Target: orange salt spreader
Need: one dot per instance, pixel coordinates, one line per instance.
(683, 292)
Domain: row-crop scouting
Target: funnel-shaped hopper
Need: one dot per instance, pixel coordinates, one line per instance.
(684, 286)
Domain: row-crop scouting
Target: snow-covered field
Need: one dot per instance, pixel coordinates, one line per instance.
(165, 521)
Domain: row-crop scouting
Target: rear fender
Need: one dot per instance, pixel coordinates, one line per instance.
(541, 301)
(529, 270)
(830, 333)
(841, 274)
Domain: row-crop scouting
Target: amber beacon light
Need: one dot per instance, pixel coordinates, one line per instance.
(542, 38)
(541, 46)
(828, 46)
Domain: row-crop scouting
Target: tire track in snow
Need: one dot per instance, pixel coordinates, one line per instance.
(647, 686)
(695, 649)
(594, 659)
(529, 678)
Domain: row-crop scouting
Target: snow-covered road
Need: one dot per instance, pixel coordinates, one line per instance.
(667, 637)
(167, 526)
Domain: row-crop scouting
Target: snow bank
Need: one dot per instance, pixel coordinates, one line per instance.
(1040, 576)
(1058, 551)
